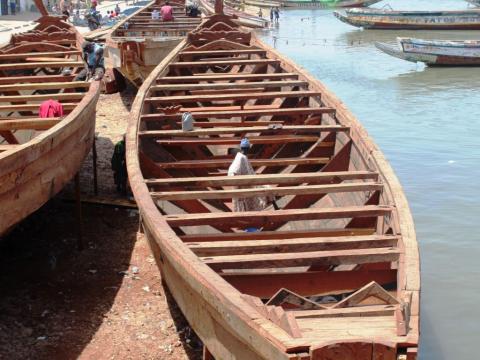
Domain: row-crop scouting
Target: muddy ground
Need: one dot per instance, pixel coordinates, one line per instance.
(105, 302)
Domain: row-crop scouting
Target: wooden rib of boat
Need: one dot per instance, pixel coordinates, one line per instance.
(329, 3)
(38, 156)
(240, 17)
(139, 43)
(334, 272)
(435, 52)
(411, 20)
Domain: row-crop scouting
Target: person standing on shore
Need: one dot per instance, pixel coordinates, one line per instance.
(277, 14)
(13, 7)
(271, 14)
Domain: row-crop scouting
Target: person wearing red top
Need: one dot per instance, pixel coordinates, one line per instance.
(167, 12)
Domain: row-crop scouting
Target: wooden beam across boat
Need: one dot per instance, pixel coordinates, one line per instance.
(222, 77)
(226, 114)
(28, 123)
(44, 86)
(19, 56)
(260, 218)
(273, 191)
(229, 85)
(266, 179)
(220, 97)
(41, 97)
(45, 64)
(224, 163)
(35, 79)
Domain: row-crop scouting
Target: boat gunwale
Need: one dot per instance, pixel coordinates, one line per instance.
(205, 280)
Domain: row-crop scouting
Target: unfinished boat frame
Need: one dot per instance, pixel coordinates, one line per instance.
(435, 52)
(138, 43)
(411, 20)
(343, 233)
(38, 156)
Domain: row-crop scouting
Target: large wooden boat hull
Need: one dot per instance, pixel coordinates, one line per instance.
(137, 44)
(219, 274)
(435, 52)
(411, 20)
(34, 171)
(241, 17)
(325, 4)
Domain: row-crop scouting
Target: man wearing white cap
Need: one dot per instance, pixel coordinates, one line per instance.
(241, 166)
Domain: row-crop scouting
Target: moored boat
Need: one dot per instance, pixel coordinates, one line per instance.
(241, 17)
(138, 43)
(38, 156)
(331, 271)
(328, 3)
(411, 20)
(435, 52)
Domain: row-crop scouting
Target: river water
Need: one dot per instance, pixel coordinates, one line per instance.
(427, 123)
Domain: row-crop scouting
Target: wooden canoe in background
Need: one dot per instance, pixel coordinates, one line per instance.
(334, 272)
(240, 17)
(138, 43)
(329, 3)
(39, 156)
(435, 52)
(412, 20)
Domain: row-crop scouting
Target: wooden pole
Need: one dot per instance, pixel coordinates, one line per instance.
(41, 7)
(218, 6)
(94, 159)
(78, 204)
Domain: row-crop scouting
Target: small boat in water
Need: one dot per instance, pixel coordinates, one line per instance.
(411, 20)
(241, 17)
(38, 156)
(330, 270)
(139, 43)
(329, 3)
(435, 52)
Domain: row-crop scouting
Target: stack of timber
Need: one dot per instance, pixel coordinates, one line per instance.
(435, 52)
(411, 20)
(326, 4)
(139, 43)
(240, 17)
(334, 272)
(38, 156)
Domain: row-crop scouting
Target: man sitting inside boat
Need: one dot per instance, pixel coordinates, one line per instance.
(241, 166)
(155, 14)
(167, 12)
(93, 57)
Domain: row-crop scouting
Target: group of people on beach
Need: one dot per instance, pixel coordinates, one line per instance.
(274, 14)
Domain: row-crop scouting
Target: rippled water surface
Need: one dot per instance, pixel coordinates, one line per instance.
(427, 122)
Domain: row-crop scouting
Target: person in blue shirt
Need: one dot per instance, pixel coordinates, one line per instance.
(93, 57)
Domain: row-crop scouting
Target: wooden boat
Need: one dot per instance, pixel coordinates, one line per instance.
(138, 43)
(435, 52)
(329, 3)
(39, 156)
(334, 272)
(412, 20)
(241, 17)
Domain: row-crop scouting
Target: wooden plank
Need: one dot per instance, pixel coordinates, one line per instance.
(308, 283)
(42, 97)
(226, 114)
(229, 85)
(29, 124)
(251, 129)
(286, 296)
(241, 96)
(34, 65)
(224, 52)
(241, 247)
(33, 107)
(224, 163)
(267, 139)
(335, 257)
(361, 311)
(228, 77)
(284, 234)
(261, 218)
(35, 79)
(194, 64)
(371, 289)
(267, 191)
(4, 57)
(44, 86)
(266, 179)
